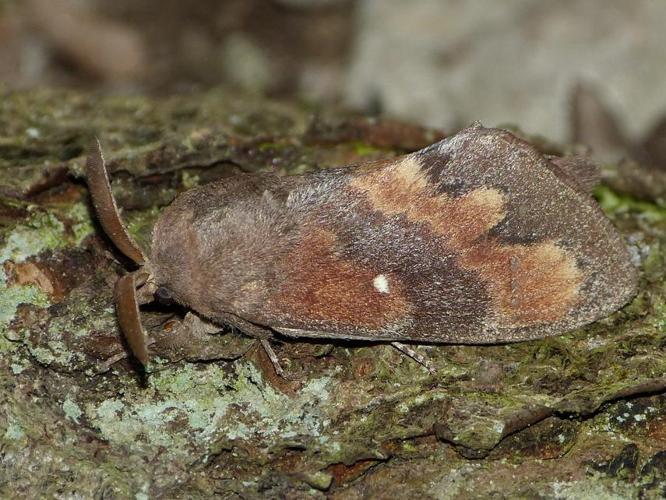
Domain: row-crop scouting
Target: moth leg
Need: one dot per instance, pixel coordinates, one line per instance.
(195, 338)
(272, 356)
(405, 349)
(260, 333)
(198, 326)
(106, 365)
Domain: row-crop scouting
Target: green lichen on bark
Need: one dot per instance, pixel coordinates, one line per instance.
(349, 419)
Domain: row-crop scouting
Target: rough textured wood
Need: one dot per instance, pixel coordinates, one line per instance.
(577, 415)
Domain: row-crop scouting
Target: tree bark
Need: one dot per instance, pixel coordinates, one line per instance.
(581, 414)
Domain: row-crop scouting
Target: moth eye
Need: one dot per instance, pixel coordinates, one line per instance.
(164, 296)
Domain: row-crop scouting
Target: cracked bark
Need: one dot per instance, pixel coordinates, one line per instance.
(351, 419)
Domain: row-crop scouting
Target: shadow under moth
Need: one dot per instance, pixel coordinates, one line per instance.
(476, 239)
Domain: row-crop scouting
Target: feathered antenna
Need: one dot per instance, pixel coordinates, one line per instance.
(125, 293)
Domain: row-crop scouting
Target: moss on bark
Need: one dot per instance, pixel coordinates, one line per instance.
(550, 417)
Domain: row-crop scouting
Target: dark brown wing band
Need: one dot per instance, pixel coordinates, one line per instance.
(129, 318)
(106, 208)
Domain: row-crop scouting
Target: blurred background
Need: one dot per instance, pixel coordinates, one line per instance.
(443, 63)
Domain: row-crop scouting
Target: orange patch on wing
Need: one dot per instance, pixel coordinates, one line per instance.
(403, 189)
(323, 287)
(528, 284)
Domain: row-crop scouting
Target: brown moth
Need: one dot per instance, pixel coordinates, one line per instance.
(476, 239)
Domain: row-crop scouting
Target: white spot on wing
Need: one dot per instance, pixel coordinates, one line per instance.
(381, 283)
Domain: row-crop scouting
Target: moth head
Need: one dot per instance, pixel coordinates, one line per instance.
(133, 288)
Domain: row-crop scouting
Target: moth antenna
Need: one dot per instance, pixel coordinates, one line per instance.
(105, 205)
(129, 317)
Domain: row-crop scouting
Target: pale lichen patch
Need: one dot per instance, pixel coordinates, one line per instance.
(591, 487)
(17, 368)
(83, 226)
(72, 410)
(41, 232)
(203, 405)
(14, 432)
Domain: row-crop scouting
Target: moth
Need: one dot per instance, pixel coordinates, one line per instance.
(477, 239)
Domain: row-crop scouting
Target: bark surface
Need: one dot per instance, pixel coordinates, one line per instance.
(578, 415)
